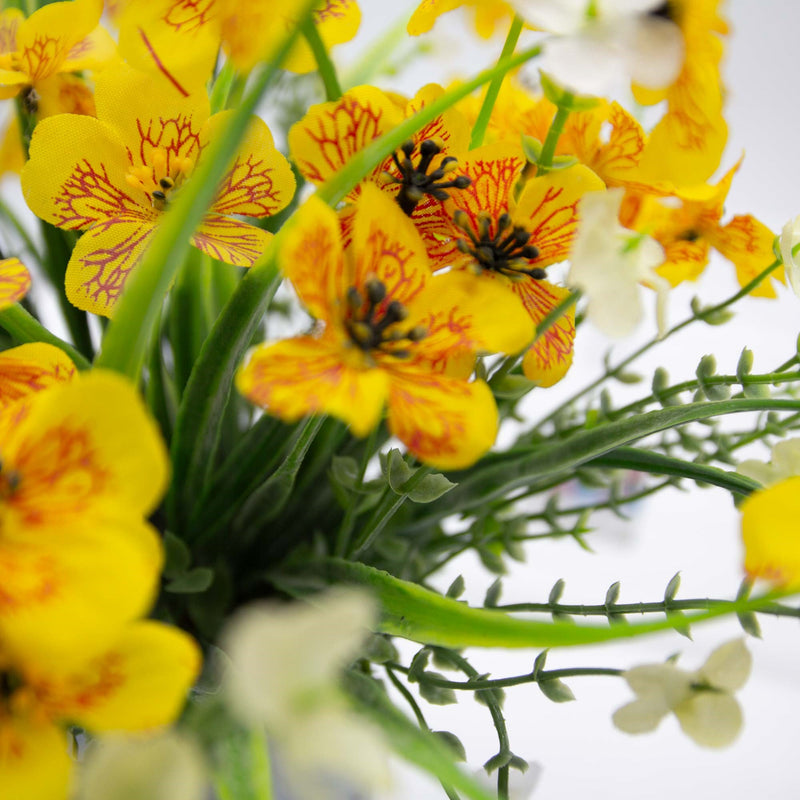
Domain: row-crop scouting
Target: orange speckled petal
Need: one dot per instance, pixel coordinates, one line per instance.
(15, 280)
(444, 421)
(685, 261)
(301, 376)
(31, 368)
(231, 240)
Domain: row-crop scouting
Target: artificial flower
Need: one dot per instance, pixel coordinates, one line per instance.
(138, 683)
(689, 229)
(495, 238)
(487, 14)
(15, 280)
(391, 334)
(702, 701)
(790, 238)
(162, 766)
(608, 262)
(31, 368)
(180, 41)
(426, 167)
(113, 177)
(285, 666)
(81, 465)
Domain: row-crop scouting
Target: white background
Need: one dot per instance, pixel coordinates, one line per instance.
(581, 754)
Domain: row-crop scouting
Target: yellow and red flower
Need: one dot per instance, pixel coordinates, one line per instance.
(15, 280)
(495, 238)
(487, 14)
(390, 334)
(31, 368)
(114, 176)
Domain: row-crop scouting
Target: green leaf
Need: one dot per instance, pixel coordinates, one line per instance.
(456, 588)
(192, 582)
(418, 614)
(344, 471)
(556, 690)
(672, 587)
(177, 556)
(436, 695)
(453, 743)
(399, 473)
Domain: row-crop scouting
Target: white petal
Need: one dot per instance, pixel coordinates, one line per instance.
(585, 64)
(712, 719)
(654, 51)
(553, 16)
(790, 238)
(640, 716)
(662, 683)
(728, 667)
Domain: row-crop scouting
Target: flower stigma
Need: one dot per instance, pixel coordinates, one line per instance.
(160, 179)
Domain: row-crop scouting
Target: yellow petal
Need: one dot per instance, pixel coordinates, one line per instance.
(85, 443)
(12, 155)
(685, 260)
(337, 21)
(64, 94)
(260, 181)
(445, 422)
(770, 534)
(93, 52)
(30, 368)
(33, 759)
(67, 590)
(302, 376)
(230, 240)
(15, 280)
(139, 683)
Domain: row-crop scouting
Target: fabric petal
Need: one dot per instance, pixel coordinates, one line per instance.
(12, 156)
(337, 21)
(445, 422)
(639, 716)
(15, 280)
(93, 52)
(33, 759)
(728, 667)
(230, 240)
(260, 181)
(301, 376)
(102, 260)
(64, 94)
(712, 719)
(31, 368)
(85, 444)
(75, 177)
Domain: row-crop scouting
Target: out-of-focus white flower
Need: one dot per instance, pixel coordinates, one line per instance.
(702, 701)
(286, 662)
(608, 262)
(164, 767)
(784, 463)
(790, 238)
(618, 42)
(521, 785)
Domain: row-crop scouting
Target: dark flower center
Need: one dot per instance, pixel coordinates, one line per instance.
(415, 180)
(9, 482)
(501, 248)
(372, 321)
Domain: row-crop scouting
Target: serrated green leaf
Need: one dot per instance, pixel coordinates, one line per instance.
(556, 690)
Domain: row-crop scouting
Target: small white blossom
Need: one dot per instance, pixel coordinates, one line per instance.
(784, 463)
(608, 262)
(790, 238)
(702, 701)
(618, 42)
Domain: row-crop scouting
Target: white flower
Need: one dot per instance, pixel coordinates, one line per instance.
(163, 767)
(784, 463)
(286, 662)
(597, 53)
(702, 701)
(608, 262)
(790, 238)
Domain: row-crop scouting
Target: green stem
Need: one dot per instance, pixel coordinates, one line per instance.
(129, 333)
(492, 92)
(545, 162)
(325, 67)
(26, 328)
(28, 243)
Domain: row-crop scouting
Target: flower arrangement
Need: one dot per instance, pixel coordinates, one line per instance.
(265, 384)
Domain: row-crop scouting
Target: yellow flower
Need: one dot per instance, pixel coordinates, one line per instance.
(30, 368)
(691, 229)
(138, 683)
(39, 54)
(702, 701)
(487, 15)
(391, 334)
(493, 238)
(426, 167)
(15, 280)
(180, 40)
(81, 465)
(114, 176)
(685, 147)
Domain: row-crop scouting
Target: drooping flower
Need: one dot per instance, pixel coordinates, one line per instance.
(15, 280)
(39, 55)
(494, 238)
(689, 230)
(790, 238)
(114, 176)
(426, 167)
(138, 682)
(487, 14)
(180, 39)
(81, 465)
(769, 529)
(390, 334)
(31, 368)
(285, 667)
(702, 701)
(609, 262)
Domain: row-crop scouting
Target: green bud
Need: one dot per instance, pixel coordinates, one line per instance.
(556, 690)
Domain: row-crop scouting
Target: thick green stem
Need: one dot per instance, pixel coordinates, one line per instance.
(492, 92)
(325, 67)
(26, 328)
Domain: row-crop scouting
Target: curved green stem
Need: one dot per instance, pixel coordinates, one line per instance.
(325, 67)
(545, 161)
(485, 113)
(26, 328)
